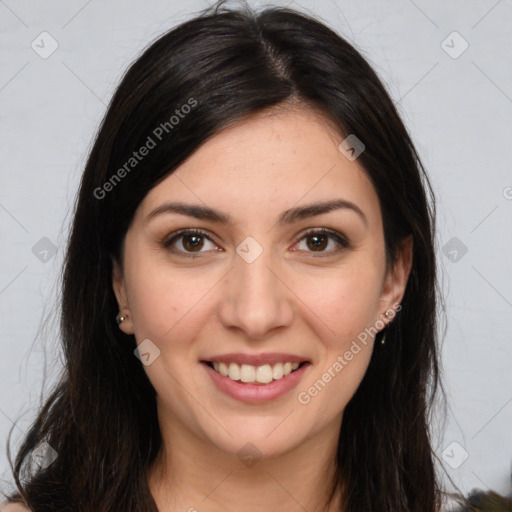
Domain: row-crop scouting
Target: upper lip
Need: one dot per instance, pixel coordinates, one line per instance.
(257, 359)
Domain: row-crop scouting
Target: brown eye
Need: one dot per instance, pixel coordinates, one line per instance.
(318, 240)
(192, 241)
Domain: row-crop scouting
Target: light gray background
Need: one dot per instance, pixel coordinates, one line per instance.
(458, 110)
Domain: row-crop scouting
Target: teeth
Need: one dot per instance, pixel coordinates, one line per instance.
(248, 373)
(223, 369)
(277, 371)
(234, 371)
(264, 374)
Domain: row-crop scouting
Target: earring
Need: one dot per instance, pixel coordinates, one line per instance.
(383, 339)
(120, 318)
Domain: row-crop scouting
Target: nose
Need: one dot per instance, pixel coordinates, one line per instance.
(256, 299)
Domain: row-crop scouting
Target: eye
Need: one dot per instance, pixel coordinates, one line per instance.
(320, 240)
(192, 241)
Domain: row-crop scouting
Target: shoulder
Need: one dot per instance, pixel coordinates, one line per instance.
(12, 507)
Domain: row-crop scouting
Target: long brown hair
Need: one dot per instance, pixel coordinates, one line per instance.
(227, 64)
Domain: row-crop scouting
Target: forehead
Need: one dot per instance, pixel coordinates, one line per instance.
(265, 164)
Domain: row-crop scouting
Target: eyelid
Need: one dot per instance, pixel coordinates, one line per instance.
(339, 238)
(169, 240)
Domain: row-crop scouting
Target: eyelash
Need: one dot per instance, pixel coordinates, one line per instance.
(342, 241)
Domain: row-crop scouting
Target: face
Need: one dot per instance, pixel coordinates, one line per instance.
(258, 284)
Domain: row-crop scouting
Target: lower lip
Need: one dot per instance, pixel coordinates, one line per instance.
(255, 393)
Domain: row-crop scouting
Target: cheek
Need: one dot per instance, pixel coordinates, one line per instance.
(350, 308)
(155, 296)
(166, 303)
(153, 304)
(346, 301)
(342, 378)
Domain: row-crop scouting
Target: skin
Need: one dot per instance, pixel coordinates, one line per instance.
(291, 299)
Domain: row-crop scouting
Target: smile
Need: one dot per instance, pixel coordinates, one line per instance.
(262, 374)
(255, 379)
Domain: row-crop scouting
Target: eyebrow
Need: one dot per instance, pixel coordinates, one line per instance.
(288, 217)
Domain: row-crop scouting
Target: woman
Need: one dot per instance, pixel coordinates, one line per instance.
(249, 301)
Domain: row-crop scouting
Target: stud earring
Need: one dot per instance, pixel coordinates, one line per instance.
(120, 318)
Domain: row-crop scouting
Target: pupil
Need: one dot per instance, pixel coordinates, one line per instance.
(195, 243)
(317, 243)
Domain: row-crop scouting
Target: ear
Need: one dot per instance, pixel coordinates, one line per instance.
(395, 282)
(119, 287)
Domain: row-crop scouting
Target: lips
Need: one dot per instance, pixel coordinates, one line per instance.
(256, 359)
(255, 392)
(255, 369)
(262, 374)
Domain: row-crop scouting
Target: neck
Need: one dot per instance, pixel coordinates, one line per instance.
(192, 475)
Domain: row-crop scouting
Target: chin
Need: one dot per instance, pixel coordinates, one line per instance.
(255, 444)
